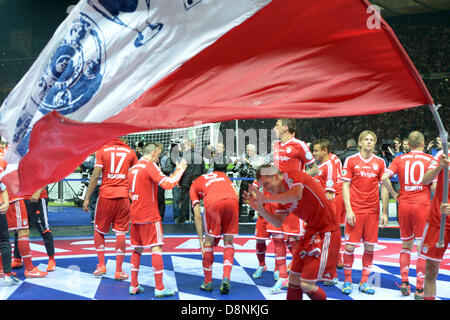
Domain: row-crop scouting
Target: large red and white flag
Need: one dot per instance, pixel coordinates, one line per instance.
(120, 66)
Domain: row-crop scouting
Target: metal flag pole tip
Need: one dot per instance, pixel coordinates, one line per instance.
(444, 138)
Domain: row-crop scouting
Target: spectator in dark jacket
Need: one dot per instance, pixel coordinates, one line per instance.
(351, 150)
(221, 160)
(195, 168)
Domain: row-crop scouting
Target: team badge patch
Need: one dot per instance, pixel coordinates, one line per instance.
(329, 183)
(309, 156)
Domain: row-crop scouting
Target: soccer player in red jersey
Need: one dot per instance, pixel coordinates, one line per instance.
(290, 153)
(315, 256)
(430, 251)
(146, 229)
(36, 205)
(17, 218)
(113, 162)
(414, 204)
(266, 231)
(329, 173)
(221, 218)
(338, 202)
(362, 175)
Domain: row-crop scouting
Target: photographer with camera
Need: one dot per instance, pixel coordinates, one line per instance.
(170, 166)
(246, 168)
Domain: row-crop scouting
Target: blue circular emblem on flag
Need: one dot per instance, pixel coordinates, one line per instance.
(76, 69)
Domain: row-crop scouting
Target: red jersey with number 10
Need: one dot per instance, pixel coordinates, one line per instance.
(116, 158)
(411, 168)
(212, 187)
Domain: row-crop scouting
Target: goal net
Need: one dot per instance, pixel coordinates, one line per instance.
(202, 135)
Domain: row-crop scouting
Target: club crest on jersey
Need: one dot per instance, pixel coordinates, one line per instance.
(375, 166)
(288, 150)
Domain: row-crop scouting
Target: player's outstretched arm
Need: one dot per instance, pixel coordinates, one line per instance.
(430, 175)
(387, 183)
(92, 184)
(5, 205)
(254, 198)
(349, 214)
(199, 225)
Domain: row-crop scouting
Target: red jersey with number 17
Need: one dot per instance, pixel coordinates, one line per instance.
(292, 155)
(116, 158)
(411, 168)
(212, 187)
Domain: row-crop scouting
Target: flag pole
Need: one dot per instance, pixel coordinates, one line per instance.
(444, 138)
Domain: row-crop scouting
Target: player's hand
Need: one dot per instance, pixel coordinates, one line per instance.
(444, 161)
(34, 198)
(445, 208)
(4, 207)
(86, 205)
(350, 217)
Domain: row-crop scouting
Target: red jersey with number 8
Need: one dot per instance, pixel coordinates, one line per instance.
(212, 187)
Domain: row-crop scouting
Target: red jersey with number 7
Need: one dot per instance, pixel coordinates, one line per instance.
(116, 158)
(212, 187)
(144, 179)
(411, 168)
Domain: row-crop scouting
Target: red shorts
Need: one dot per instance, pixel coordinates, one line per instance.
(316, 256)
(365, 229)
(146, 235)
(431, 237)
(412, 218)
(17, 216)
(112, 211)
(222, 218)
(339, 207)
(261, 232)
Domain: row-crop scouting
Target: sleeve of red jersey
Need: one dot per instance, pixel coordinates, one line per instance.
(193, 192)
(331, 178)
(305, 154)
(98, 159)
(382, 171)
(169, 182)
(347, 171)
(393, 167)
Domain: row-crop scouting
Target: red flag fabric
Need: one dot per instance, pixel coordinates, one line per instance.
(292, 59)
